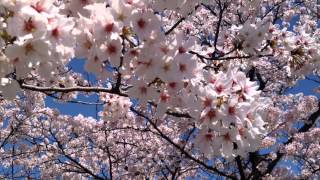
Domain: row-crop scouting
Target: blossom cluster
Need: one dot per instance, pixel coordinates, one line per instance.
(231, 118)
(176, 79)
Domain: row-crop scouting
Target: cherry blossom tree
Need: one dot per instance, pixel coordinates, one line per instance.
(186, 88)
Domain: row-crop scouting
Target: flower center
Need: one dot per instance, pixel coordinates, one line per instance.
(231, 110)
(182, 67)
(227, 137)
(141, 23)
(111, 49)
(211, 114)
(29, 26)
(109, 27)
(55, 33)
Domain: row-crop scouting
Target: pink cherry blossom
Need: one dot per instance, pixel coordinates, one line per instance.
(179, 89)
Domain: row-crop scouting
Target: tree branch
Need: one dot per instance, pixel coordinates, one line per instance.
(70, 89)
(174, 26)
(229, 57)
(240, 168)
(216, 35)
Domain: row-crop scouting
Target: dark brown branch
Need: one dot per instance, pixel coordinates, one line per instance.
(70, 89)
(178, 114)
(110, 163)
(254, 158)
(240, 168)
(174, 26)
(229, 57)
(216, 35)
(179, 21)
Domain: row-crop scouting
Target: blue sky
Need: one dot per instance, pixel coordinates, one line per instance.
(305, 86)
